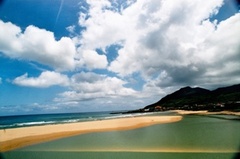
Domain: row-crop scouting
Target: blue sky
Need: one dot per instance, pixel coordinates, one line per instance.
(75, 56)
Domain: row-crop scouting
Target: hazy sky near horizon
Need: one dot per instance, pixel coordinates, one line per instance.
(61, 56)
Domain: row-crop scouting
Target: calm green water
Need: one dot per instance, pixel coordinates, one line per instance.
(196, 136)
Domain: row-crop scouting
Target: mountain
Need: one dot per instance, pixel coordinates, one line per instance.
(231, 93)
(187, 98)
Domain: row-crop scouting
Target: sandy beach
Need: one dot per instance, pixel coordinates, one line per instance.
(205, 112)
(19, 137)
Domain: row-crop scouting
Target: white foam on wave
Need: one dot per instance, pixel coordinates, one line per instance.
(127, 115)
(35, 123)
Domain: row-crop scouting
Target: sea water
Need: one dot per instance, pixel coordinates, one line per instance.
(208, 137)
(48, 119)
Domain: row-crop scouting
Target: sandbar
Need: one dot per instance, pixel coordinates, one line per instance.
(205, 112)
(14, 138)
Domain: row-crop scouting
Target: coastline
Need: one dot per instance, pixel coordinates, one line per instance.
(205, 112)
(19, 137)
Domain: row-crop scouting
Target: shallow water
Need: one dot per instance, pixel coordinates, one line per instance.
(117, 155)
(193, 137)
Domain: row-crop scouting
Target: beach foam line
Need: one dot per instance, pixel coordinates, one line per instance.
(19, 137)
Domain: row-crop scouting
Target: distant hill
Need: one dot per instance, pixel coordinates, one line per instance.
(187, 98)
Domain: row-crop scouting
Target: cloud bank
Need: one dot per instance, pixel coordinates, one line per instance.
(170, 42)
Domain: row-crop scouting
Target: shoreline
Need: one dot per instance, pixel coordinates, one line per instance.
(205, 112)
(14, 138)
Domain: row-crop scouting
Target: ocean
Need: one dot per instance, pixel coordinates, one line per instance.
(49, 119)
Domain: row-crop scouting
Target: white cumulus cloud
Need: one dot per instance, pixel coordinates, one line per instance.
(45, 79)
(85, 86)
(93, 60)
(38, 45)
(177, 38)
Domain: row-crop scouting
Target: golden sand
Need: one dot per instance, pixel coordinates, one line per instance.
(19, 137)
